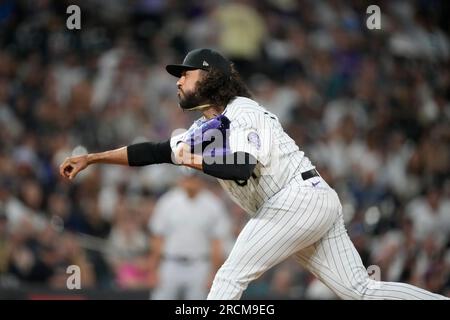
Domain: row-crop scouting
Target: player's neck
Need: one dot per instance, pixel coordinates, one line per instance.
(212, 112)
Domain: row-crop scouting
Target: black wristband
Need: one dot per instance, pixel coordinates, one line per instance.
(236, 166)
(142, 154)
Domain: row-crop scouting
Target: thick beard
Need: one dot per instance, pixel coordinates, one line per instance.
(191, 100)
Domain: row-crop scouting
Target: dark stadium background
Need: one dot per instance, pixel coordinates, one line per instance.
(370, 107)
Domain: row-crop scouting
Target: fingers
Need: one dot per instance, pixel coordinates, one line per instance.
(71, 166)
(74, 172)
(68, 169)
(179, 152)
(65, 168)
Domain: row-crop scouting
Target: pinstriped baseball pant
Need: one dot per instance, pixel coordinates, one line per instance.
(306, 223)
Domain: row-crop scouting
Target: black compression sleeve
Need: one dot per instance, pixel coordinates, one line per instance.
(237, 166)
(142, 154)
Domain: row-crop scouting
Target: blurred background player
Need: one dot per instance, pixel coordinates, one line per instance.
(190, 236)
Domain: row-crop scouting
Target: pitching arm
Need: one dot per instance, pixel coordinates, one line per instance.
(139, 154)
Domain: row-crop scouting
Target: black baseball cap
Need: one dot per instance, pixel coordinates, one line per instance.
(201, 59)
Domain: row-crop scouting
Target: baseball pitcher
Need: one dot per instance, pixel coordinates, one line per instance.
(294, 212)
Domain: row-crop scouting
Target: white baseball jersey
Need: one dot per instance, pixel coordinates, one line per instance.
(258, 132)
(290, 217)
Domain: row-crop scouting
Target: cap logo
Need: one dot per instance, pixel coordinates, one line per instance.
(205, 64)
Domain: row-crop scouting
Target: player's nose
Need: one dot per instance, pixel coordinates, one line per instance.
(180, 82)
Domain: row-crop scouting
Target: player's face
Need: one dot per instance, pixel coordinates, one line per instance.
(187, 89)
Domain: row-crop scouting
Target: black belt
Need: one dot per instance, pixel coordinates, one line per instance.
(309, 174)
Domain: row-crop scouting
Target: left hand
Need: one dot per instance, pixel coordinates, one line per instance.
(183, 156)
(207, 132)
(182, 150)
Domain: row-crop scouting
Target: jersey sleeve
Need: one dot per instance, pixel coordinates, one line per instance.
(251, 134)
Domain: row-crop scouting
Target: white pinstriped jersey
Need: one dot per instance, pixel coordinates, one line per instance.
(258, 132)
(311, 227)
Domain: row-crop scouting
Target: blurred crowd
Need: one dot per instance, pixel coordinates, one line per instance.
(371, 108)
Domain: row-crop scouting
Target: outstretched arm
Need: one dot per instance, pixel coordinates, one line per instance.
(139, 154)
(147, 153)
(73, 165)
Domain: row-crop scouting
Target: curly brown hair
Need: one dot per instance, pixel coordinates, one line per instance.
(219, 89)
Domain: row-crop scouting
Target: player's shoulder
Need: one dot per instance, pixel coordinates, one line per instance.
(242, 105)
(244, 112)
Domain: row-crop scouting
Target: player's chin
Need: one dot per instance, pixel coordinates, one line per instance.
(185, 104)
